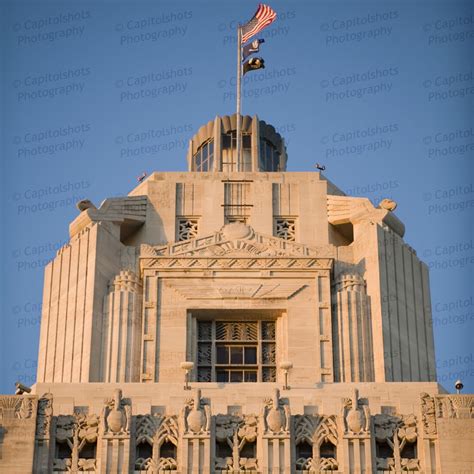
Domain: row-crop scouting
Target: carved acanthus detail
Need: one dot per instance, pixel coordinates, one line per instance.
(276, 415)
(196, 415)
(235, 432)
(356, 415)
(116, 415)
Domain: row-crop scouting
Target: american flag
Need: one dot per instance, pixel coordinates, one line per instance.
(262, 18)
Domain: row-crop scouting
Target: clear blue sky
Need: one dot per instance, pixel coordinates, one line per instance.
(96, 93)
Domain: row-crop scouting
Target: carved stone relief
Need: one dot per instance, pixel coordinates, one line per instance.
(455, 406)
(16, 406)
(44, 414)
(235, 432)
(75, 431)
(314, 431)
(156, 430)
(396, 432)
(428, 414)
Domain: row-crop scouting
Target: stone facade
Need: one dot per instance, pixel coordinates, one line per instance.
(253, 274)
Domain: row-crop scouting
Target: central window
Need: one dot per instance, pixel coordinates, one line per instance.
(236, 351)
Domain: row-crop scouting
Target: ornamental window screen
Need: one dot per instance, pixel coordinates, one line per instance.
(236, 201)
(236, 351)
(187, 228)
(285, 228)
(269, 156)
(203, 159)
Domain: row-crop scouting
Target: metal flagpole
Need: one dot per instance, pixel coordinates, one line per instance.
(239, 78)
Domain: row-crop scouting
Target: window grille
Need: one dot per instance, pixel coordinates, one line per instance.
(285, 228)
(236, 351)
(187, 228)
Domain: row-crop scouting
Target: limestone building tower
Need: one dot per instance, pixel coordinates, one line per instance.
(298, 315)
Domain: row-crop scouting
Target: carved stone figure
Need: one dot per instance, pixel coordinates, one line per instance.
(116, 415)
(197, 415)
(356, 415)
(276, 415)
